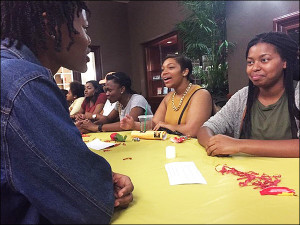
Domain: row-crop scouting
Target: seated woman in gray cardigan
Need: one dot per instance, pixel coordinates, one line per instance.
(263, 118)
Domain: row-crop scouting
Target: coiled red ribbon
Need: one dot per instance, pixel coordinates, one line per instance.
(251, 178)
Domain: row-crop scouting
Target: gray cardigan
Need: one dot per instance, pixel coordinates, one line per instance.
(228, 119)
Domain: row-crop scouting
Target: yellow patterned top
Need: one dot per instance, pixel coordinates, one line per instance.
(172, 116)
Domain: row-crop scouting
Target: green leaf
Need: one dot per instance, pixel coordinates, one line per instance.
(120, 138)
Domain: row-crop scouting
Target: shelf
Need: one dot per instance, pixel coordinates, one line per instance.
(155, 52)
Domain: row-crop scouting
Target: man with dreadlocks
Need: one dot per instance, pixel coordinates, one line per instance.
(263, 118)
(48, 175)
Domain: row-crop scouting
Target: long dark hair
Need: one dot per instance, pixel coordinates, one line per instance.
(98, 90)
(288, 50)
(122, 79)
(184, 63)
(23, 22)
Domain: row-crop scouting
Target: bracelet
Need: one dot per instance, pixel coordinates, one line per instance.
(100, 127)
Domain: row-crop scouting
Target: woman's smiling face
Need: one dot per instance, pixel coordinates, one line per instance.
(113, 91)
(172, 73)
(264, 65)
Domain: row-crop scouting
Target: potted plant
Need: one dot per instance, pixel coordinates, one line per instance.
(203, 34)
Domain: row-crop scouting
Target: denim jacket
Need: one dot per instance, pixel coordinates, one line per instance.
(47, 172)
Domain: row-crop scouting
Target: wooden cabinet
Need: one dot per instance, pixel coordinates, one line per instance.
(289, 24)
(155, 52)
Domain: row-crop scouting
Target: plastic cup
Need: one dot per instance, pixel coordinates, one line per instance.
(170, 152)
(144, 122)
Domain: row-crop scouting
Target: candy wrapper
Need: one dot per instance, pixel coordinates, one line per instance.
(277, 191)
(150, 135)
(178, 139)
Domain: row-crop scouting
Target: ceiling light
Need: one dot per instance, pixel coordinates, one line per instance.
(169, 42)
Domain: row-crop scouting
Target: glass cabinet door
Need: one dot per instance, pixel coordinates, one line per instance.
(155, 52)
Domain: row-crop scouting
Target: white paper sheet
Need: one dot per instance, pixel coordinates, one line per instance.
(184, 173)
(98, 145)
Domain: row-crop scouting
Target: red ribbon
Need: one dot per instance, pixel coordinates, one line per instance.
(251, 178)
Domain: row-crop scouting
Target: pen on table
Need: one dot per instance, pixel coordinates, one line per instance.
(145, 117)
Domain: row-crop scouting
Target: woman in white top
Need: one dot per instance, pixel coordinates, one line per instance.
(75, 96)
(117, 89)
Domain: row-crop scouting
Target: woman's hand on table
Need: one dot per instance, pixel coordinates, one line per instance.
(123, 188)
(88, 125)
(88, 115)
(79, 117)
(82, 130)
(222, 145)
(127, 123)
(163, 124)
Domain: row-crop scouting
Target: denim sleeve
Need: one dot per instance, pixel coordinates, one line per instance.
(50, 164)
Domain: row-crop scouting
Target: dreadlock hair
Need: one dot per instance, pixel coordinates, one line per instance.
(288, 50)
(23, 22)
(98, 90)
(122, 79)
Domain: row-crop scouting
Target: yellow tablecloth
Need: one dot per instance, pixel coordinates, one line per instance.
(221, 200)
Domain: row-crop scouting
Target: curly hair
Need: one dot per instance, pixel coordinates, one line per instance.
(288, 50)
(77, 89)
(23, 22)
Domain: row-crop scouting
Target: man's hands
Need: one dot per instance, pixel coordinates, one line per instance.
(123, 188)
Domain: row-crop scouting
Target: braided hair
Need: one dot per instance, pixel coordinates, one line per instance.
(288, 50)
(23, 22)
(122, 79)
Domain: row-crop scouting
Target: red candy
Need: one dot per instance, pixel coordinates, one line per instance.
(277, 191)
(178, 139)
(127, 158)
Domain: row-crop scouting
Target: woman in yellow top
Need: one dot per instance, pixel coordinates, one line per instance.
(182, 110)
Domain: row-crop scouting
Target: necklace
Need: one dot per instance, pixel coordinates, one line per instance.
(181, 100)
(120, 108)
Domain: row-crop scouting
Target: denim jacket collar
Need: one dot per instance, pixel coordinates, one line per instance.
(23, 53)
